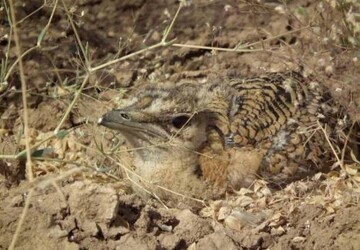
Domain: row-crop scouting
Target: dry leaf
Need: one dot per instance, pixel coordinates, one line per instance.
(244, 191)
(223, 213)
(353, 157)
(244, 201)
(329, 210)
(351, 169)
(207, 212)
(357, 178)
(317, 176)
(192, 246)
(278, 231)
(298, 239)
(234, 223)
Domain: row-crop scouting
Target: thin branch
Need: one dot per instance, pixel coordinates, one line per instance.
(235, 49)
(128, 56)
(77, 95)
(168, 29)
(22, 218)
(331, 146)
(23, 90)
(87, 63)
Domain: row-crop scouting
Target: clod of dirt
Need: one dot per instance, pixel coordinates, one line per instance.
(41, 230)
(190, 228)
(310, 229)
(47, 116)
(92, 208)
(216, 240)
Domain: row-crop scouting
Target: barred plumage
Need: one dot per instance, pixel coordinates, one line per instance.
(215, 136)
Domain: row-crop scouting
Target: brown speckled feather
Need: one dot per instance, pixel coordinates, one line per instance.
(222, 135)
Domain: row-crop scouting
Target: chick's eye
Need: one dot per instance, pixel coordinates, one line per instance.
(180, 121)
(125, 116)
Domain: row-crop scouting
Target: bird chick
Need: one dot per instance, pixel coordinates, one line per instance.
(201, 140)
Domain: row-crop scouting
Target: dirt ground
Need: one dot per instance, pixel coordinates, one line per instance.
(81, 196)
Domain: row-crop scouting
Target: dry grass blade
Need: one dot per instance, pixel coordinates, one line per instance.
(87, 62)
(21, 219)
(24, 92)
(26, 124)
(76, 97)
(340, 161)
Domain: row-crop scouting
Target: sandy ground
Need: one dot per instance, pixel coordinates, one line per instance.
(82, 197)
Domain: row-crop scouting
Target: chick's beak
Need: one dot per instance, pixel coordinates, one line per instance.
(113, 119)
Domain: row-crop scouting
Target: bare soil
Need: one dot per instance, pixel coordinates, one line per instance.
(81, 196)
